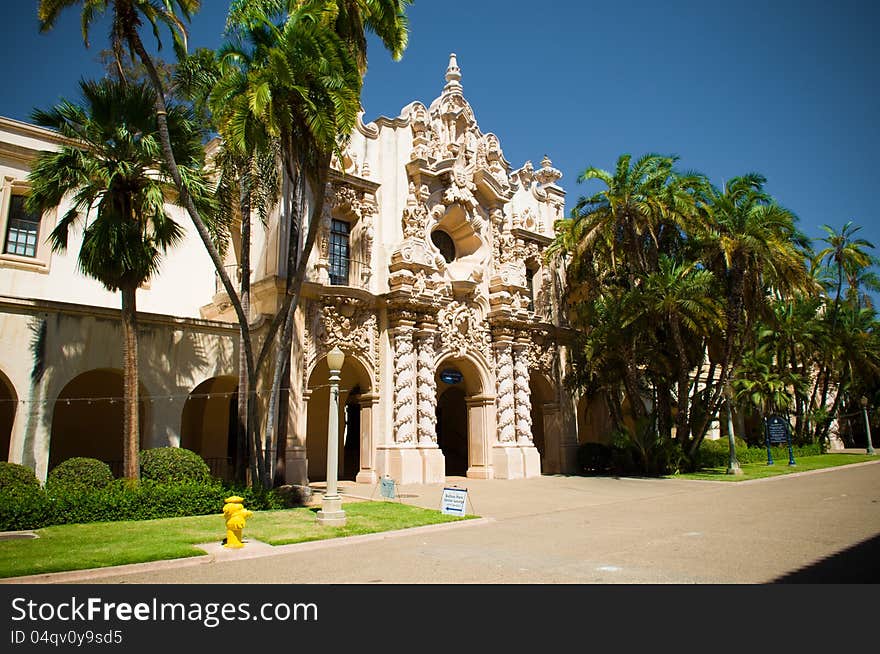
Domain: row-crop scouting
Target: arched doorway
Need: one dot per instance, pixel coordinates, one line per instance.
(88, 419)
(208, 423)
(452, 430)
(353, 384)
(8, 405)
(461, 425)
(544, 408)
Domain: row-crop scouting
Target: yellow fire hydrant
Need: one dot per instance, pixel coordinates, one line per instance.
(235, 515)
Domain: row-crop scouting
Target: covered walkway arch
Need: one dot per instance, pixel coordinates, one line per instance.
(87, 419)
(208, 423)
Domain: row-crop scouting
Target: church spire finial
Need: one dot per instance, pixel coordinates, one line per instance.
(453, 74)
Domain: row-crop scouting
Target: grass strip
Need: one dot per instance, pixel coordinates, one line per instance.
(779, 467)
(102, 544)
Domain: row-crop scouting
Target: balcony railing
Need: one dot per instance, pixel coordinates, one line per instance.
(338, 271)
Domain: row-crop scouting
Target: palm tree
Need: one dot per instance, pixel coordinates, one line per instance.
(127, 18)
(112, 166)
(680, 297)
(752, 245)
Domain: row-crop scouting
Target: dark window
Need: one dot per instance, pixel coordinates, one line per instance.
(530, 284)
(339, 252)
(22, 230)
(444, 243)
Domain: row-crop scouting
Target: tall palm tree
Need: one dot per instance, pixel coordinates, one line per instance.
(751, 244)
(127, 19)
(681, 297)
(112, 166)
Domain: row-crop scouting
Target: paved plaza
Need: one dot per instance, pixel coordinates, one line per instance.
(821, 526)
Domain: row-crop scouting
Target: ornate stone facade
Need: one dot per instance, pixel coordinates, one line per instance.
(455, 316)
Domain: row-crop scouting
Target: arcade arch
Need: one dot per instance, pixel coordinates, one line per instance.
(8, 405)
(87, 419)
(462, 428)
(208, 423)
(354, 427)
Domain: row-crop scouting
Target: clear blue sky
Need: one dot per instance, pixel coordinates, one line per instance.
(785, 88)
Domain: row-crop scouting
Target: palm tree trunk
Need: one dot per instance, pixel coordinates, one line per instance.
(130, 463)
(244, 387)
(168, 154)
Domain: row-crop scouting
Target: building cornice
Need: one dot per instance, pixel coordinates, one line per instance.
(31, 306)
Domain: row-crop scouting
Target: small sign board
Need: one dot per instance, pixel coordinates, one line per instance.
(778, 431)
(386, 488)
(454, 501)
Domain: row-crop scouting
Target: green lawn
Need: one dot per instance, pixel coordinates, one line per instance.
(780, 467)
(96, 545)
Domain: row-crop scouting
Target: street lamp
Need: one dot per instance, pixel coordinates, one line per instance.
(732, 464)
(864, 403)
(331, 512)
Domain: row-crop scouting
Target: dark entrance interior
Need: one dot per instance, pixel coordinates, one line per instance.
(452, 430)
(351, 451)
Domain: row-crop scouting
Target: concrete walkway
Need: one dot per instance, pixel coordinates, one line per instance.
(814, 526)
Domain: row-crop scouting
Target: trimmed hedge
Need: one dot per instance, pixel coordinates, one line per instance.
(173, 464)
(14, 476)
(34, 508)
(715, 454)
(79, 474)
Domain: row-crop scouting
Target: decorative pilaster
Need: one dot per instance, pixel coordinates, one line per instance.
(522, 395)
(404, 383)
(427, 386)
(505, 392)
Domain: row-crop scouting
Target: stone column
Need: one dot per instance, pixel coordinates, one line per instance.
(404, 383)
(296, 463)
(505, 392)
(433, 461)
(367, 472)
(507, 460)
(427, 386)
(523, 399)
(522, 395)
(401, 458)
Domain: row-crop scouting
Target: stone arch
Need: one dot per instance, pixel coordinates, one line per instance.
(208, 423)
(8, 406)
(355, 419)
(87, 419)
(464, 411)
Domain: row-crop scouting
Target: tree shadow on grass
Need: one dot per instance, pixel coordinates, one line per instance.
(859, 564)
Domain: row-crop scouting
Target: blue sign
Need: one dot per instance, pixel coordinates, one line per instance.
(386, 488)
(777, 430)
(454, 501)
(451, 376)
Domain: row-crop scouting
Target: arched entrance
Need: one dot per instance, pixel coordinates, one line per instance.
(545, 409)
(354, 383)
(208, 423)
(461, 426)
(88, 419)
(8, 405)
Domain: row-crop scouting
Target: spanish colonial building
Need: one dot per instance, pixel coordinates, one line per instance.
(427, 272)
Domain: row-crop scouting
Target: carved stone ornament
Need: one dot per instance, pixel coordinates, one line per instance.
(461, 329)
(346, 323)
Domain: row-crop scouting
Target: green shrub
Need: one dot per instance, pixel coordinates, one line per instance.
(79, 474)
(259, 499)
(25, 508)
(173, 464)
(17, 477)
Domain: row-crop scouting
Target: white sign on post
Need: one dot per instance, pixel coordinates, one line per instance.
(454, 501)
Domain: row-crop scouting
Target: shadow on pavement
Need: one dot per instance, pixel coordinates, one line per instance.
(859, 564)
